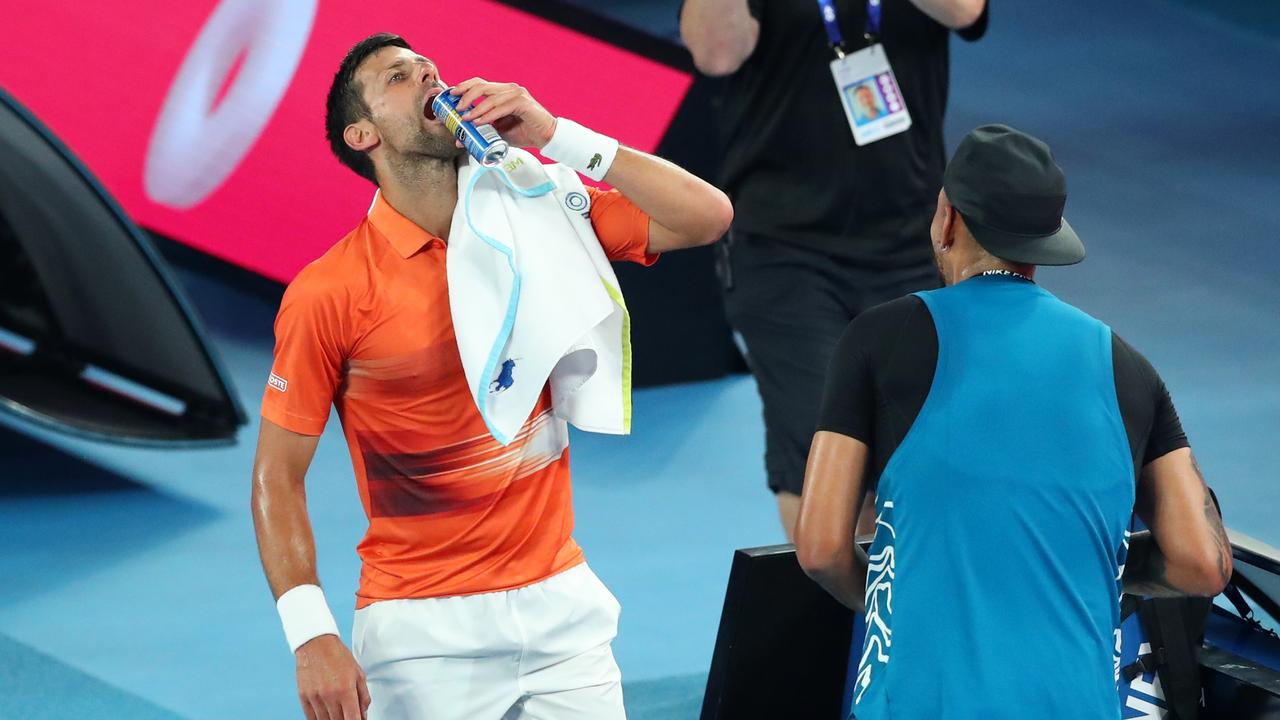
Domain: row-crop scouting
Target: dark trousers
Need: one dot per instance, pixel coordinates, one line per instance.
(790, 305)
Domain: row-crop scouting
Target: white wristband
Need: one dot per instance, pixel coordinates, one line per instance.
(305, 615)
(586, 151)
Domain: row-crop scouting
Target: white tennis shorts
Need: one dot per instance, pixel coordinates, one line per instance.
(541, 652)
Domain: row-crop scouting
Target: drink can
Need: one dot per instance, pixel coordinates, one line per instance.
(482, 141)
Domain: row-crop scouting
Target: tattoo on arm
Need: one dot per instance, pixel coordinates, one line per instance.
(1221, 543)
(1146, 571)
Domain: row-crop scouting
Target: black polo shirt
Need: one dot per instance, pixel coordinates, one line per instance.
(790, 164)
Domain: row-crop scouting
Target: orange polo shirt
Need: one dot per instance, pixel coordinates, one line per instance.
(367, 328)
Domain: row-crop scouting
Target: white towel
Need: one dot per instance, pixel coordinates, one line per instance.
(534, 299)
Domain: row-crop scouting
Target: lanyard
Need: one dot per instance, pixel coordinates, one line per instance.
(832, 24)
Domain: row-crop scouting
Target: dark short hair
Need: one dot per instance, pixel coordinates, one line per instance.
(346, 105)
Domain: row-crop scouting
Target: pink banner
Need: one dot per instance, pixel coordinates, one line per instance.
(205, 118)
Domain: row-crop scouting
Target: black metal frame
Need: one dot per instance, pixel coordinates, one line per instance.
(156, 263)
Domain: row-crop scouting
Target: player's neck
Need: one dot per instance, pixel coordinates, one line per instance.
(988, 263)
(425, 192)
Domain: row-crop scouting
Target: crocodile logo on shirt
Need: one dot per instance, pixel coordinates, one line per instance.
(595, 161)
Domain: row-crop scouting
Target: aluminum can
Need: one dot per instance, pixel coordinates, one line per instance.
(482, 141)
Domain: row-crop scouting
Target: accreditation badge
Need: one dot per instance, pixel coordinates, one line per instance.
(870, 96)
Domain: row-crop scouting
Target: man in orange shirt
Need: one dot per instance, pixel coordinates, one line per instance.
(474, 600)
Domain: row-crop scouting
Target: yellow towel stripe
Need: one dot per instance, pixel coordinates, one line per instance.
(616, 294)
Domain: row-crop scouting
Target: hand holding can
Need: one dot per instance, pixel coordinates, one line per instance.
(481, 141)
(509, 107)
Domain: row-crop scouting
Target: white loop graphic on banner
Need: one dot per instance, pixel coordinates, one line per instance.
(195, 146)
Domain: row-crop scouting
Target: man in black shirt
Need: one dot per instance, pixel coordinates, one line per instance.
(824, 228)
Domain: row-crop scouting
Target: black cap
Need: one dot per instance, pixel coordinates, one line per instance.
(1011, 194)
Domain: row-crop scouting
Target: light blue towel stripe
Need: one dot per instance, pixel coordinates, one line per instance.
(513, 302)
(536, 191)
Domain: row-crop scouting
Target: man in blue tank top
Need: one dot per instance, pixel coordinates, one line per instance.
(1006, 438)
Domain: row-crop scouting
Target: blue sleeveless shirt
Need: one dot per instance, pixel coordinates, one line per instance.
(993, 587)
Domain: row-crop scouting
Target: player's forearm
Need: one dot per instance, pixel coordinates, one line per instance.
(693, 211)
(285, 542)
(720, 34)
(955, 14)
(1145, 570)
(845, 578)
(1187, 551)
(1149, 572)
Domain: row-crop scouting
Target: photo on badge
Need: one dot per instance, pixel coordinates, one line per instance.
(866, 100)
(873, 104)
(872, 101)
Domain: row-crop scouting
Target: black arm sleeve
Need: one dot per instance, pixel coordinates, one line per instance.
(1166, 433)
(848, 403)
(1150, 419)
(880, 375)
